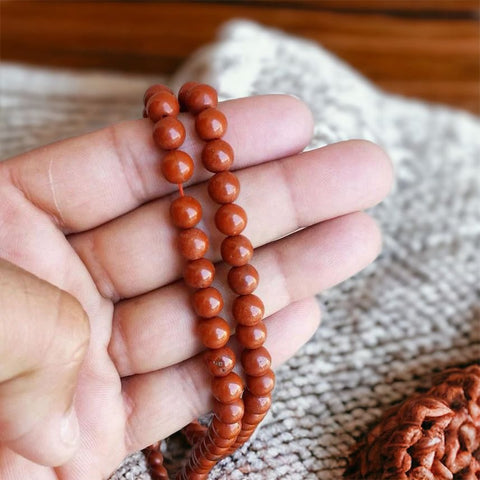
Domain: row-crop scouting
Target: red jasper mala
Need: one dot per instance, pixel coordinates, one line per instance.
(236, 412)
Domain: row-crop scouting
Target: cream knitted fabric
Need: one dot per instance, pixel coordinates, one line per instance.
(415, 311)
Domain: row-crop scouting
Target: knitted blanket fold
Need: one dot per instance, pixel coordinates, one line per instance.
(386, 331)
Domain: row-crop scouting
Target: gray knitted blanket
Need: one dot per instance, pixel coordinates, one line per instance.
(415, 311)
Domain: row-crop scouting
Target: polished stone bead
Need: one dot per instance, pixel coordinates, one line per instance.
(162, 104)
(177, 166)
(256, 362)
(254, 404)
(199, 273)
(243, 280)
(248, 309)
(228, 413)
(214, 332)
(236, 250)
(224, 187)
(252, 419)
(210, 124)
(227, 389)
(200, 97)
(217, 156)
(262, 385)
(153, 90)
(185, 211)
(253, 336)
(168, 133)
(192, 243)
(231, 219)
(184, 92)
(207, 302)
(226, 430)
(219, 362)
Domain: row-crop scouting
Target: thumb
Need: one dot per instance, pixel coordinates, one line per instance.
(44, 336)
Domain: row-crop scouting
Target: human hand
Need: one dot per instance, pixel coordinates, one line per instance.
(89, 216)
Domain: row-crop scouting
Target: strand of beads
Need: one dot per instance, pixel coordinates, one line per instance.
(236, 251)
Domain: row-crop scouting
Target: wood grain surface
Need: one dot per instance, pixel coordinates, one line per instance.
(422, 48)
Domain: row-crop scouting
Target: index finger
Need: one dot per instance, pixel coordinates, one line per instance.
(88, 180)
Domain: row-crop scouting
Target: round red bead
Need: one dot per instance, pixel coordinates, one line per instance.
(183, 93)
(253, 336)
(192, 243)
(256, 362)
(153, 90)
(262, 385)
(185, 211)
(248, 309)
(207, 302)
(210, 124)
(224, 187)
(199, 273)
(254, 404)
(226, 430)
(243, 280)
(200, 97)
(169, 133)
(227, 389)
(220, 362)
(162, 104)
(228, 413)
(217, 156)
(231, 219)
(236, 250)
(214, 332)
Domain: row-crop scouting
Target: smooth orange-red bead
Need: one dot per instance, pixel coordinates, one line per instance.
(252, 419)
(214, 332)
(243, 280)
(207, 302)
(199, 273)
(226, 430)
(192, 243)
(256, 362)
(177, 166)
(219, 362)
(160, 472)
(237, 250)
(253, 336)
(231, 219)
(168, 133)
(217, 156)
(210, 124)
(185, 211)
(227, 389)
(248, 309)
(183, 93)
(254, 404)
(200, 97)
(262, 385)
(155, 458)
(153, 90)
(162, 104)
(224, 187)
(228, 413)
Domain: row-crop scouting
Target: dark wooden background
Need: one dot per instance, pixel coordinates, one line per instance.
(422, 48)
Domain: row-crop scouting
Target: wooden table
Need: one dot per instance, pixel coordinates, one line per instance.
(421, 48)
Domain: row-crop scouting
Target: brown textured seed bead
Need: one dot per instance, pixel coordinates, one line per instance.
(256, 362)
(237, 250)
(251, 337)
(185, 211)
(192, 243)
(262, 385)
(168, 133)
(217, 156)
(248, 309)
(243, 280)
(214, 332)
(200, 97)
(220, 362)
(199, 273)
(254, 404)
(207, 302)
(153, 90)
(231, 219)
(177, 166)
(230, 413)
(224, 187)
(183, 93)
(162, 104)
(210, 124)
(227, 389)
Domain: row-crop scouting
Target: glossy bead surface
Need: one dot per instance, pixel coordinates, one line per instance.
(231, 219)
(168, 133)
(256, 362)
(207, 302)
(227, 389)
(153, 90)
(228, 413)
(254, 404)
(199, 273)
(237, 250)
(251, 337)
(185, 211)
(160, 471)
(252, 418)
(214, 332)
(248, 309)
(243, 280)
(177, 166)
(262, 385)
(226, 430)
(219, 362)
(217, 156)
(155, 458)
(200, 97)
(183, 93)
(224, 187)
(210, 124)
(192, 243)
(162, 104)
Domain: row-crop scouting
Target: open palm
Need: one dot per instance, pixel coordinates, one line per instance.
(90, 216)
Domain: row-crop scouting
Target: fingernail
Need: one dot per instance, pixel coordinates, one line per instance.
(69, 430)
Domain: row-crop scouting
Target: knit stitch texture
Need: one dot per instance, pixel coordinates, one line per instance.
(412, 313)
